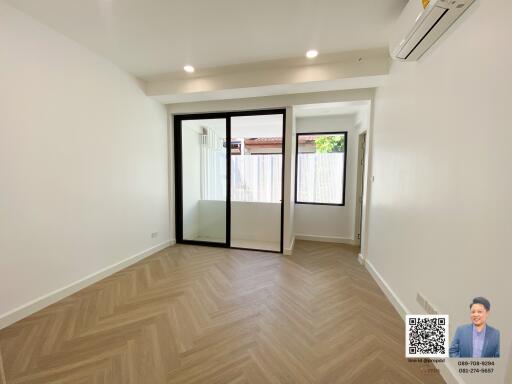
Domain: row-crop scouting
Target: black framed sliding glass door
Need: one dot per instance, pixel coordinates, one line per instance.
(229, 172)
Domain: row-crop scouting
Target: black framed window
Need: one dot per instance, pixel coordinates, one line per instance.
(320, 168)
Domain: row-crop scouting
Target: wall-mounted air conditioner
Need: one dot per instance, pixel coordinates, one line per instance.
(421, 23)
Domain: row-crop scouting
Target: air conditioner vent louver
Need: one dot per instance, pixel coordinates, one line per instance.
(418, 29)
(419, 35)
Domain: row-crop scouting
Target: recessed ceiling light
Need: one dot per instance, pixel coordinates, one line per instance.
(312, 53)
(188, 68)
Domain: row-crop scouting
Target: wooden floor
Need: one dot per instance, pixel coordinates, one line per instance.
(194, 314)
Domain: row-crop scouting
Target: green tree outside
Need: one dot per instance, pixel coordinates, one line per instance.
(328, 144)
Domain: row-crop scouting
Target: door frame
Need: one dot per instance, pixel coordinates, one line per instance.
(361, 188)
(178, 173)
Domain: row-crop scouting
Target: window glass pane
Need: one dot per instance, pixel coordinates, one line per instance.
(256, 158)
(321, 167)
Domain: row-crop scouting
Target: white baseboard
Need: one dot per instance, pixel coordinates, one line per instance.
(446, 370)
(360, 258)
(289, 251)
(327, 239)
(33, 306)
(390, 294)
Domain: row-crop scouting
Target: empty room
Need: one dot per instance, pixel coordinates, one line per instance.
(227, 191)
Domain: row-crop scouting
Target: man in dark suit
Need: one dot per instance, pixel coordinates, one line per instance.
(477, 339)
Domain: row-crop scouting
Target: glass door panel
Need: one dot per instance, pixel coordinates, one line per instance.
(204, 180)
(256, 181)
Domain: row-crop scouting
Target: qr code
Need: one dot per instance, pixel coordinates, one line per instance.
(426, 336)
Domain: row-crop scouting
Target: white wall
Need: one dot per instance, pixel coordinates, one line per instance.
(249, 220)
(334, 223)
(441, 200)
(255, 221)
(211, 220)
(83, 163)
(279, 101)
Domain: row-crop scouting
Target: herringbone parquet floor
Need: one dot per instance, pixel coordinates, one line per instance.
(194, 314)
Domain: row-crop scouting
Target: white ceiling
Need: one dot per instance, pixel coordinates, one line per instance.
(152, 37)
